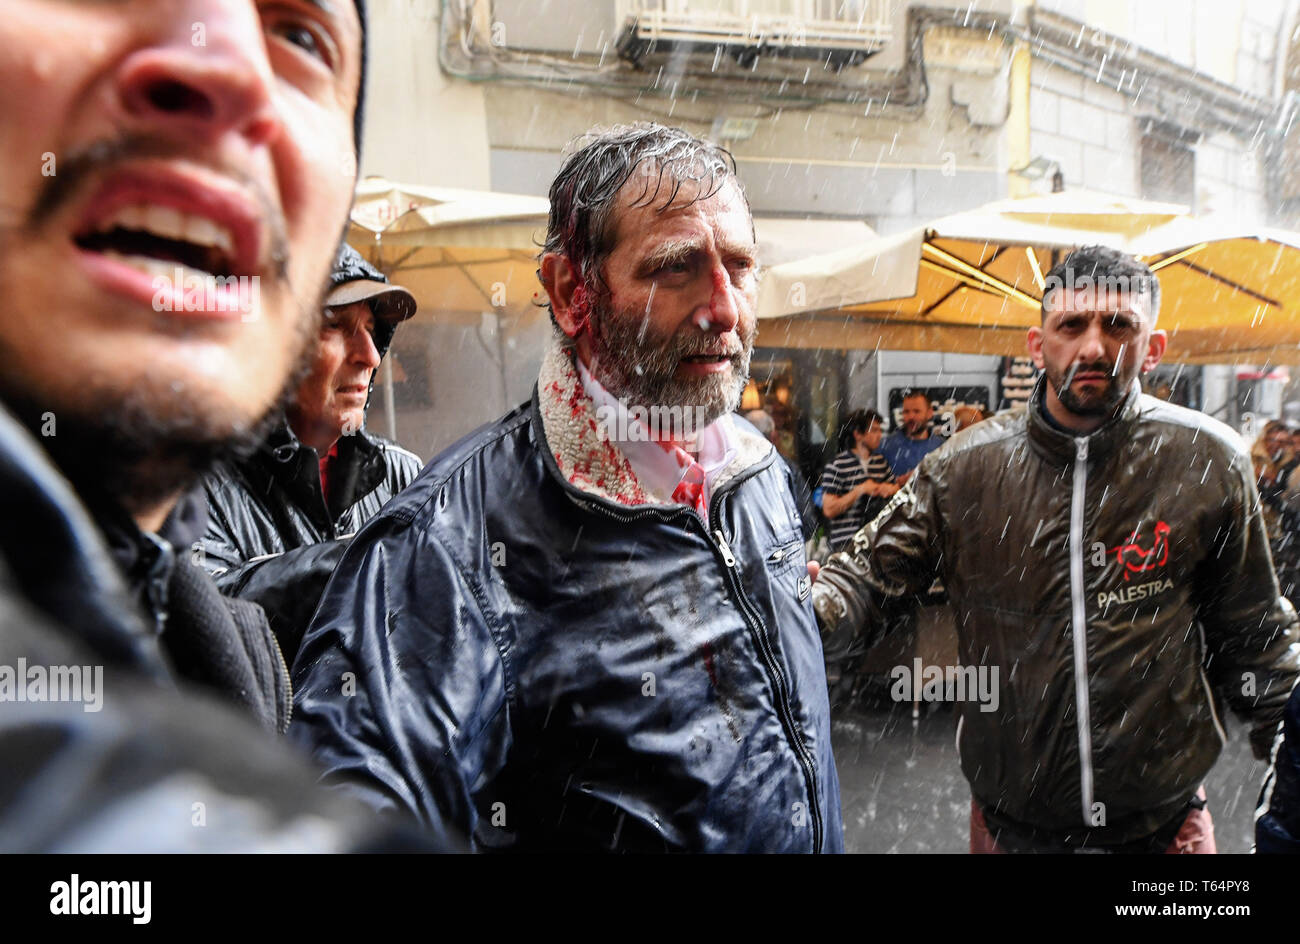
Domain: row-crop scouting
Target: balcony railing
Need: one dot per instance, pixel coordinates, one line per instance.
(852, 29)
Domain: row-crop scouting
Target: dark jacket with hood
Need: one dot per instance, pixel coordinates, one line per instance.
(1120, 585)
(150, 748)
(65, 601)
(136, 600)
(272, 538)
(528, 648)
(168, 727)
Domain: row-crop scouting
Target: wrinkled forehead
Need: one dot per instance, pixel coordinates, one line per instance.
(653, 198)
(1101, 299)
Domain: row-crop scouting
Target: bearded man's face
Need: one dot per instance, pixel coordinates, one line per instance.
(1092, 347)
(676, 322)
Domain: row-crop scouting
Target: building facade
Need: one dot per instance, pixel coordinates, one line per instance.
(887, 112)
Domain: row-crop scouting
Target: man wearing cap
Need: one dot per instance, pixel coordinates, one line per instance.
(278, 520)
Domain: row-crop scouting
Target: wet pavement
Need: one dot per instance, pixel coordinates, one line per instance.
(903, 791)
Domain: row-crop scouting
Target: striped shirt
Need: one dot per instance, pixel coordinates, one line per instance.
(840, 477)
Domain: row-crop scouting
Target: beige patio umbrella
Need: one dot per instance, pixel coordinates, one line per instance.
(972, 282)
(460, 252)
(469, 255)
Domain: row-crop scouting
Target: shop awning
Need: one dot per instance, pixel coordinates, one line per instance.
(972, 282)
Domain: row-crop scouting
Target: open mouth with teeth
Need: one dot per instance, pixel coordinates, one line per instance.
(155, 239)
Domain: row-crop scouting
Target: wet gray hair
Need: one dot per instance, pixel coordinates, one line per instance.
(583, 195)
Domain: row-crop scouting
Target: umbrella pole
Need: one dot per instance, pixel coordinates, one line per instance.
(390, 400)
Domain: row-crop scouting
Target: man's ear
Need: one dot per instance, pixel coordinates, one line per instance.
(1035, 344)
(565, 289)
(1155, 350)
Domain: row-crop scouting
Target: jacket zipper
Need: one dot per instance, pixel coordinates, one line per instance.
(1209, 694)
(756, 627)
(758, 630)
(1079, 626)
(288, 683)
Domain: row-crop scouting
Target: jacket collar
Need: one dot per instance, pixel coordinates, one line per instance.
(586, 458)
(74, 578)
(356, 471)
(1059, 446)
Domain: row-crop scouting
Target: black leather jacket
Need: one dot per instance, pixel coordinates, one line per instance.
(272, 539)
(548, 665)
(1277, 818)
(1121, 577)
(137, 600)
(119, 768)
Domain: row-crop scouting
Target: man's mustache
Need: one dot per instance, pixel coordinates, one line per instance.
(1095, 367)
(77, 168)
(689, 347)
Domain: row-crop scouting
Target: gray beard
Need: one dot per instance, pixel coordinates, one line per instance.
(635, 366)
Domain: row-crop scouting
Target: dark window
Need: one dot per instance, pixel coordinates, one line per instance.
(1168, 164)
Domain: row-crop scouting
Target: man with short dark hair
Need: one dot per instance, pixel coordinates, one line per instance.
(1108, 567)
(906, 446)
(279, 519)
(856, 483)
(587, 626)
(168, 213)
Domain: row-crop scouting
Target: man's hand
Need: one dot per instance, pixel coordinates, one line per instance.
(835, 505)
(814, 569)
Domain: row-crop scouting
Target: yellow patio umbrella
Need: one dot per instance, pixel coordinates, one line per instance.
(972, 282)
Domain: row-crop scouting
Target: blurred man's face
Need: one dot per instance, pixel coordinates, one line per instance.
(678, 326)
(871, 438)
(916, 415)
(331, 401)
(142, 136)
(1092, 346)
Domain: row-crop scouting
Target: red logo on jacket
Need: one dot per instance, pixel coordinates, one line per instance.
(1138, 559)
